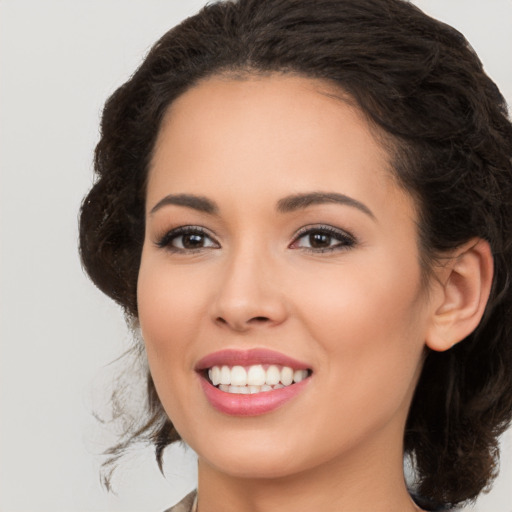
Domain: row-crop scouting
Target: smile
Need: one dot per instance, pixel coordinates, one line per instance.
(250, 383)
(255, 378)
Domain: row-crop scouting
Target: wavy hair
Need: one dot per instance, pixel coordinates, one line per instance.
(419, 81)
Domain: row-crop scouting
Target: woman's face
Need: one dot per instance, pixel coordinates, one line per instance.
(277, 238)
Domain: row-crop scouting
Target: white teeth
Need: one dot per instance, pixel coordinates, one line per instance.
(299, 375)
(225, 375)
(273, 376)
(238, 376)
(254, 379)
(286, 376)
(256, 375)
(239, 390)
(214, 374)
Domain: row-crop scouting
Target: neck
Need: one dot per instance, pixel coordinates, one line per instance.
(372, 481)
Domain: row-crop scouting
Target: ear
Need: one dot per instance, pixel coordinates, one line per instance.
(460, 300)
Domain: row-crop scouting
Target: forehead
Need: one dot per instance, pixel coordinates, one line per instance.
(271, 135)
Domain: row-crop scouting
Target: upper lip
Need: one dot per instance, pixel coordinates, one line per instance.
(236, 357)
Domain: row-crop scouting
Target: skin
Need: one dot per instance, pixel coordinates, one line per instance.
(358, 314)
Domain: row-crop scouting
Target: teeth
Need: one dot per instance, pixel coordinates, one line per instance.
(256, 375)
(254, 379)
(238, 376)
(299, 375)
(214, 374)
(273, 376)
(225, 375)
(286, 376)
(239, 390)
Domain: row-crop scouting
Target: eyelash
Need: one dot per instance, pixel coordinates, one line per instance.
(165, 242)
(346, 240)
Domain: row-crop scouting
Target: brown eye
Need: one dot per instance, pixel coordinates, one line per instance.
(319, 240)
(191, 241)
(187, 238)
(323, 239)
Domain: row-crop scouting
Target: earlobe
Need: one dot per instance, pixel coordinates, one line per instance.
(465, 285)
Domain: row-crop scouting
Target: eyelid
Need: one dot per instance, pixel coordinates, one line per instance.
(164, 241)
(347, 239)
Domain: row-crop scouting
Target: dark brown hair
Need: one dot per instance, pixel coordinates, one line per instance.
(420, 82)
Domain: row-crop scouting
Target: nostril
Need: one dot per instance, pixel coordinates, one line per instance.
(259, 319)
(256, 320)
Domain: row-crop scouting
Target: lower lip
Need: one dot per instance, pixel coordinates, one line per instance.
(251, 405)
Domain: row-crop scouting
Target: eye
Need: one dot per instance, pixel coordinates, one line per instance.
(323, 239)
(187, 239)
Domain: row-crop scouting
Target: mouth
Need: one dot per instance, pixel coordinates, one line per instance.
(251, 382)
(258, 378)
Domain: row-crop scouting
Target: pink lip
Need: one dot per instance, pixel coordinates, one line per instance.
(253, 404)
(233, 357)
(250, 405)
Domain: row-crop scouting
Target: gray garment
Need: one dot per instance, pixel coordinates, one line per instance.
(187, 504)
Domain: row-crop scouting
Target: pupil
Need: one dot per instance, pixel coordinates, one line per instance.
(192, 241)
(319, 240)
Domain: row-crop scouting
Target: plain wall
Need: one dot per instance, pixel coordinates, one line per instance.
(59, 60)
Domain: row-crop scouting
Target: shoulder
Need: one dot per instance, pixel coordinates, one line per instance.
(187, 504)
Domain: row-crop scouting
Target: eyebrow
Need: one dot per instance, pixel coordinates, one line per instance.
(200, 203)
(300, 201)
(285, 205)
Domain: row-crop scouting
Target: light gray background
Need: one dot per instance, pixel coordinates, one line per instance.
(59, 60)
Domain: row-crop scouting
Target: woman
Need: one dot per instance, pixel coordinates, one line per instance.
(305, 208)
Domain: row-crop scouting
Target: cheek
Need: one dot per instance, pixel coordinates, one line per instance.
(364, 291)
(169, 306)
(169, 303)
(370, 325)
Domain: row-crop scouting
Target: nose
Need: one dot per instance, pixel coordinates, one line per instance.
(249, 295)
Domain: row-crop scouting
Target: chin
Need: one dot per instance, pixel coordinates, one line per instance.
(245, 466)
(252, 456)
